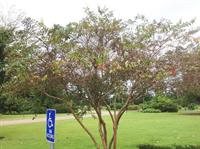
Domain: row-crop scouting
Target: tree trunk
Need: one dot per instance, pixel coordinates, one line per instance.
(115, 126)
(102, 135)
(102, 129)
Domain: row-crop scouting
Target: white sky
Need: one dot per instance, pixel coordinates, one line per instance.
(65, 11)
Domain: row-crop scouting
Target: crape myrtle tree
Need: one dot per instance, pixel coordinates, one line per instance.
(90, 63)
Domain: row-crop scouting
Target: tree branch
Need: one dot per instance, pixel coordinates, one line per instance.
(51, 96)
(109, 111)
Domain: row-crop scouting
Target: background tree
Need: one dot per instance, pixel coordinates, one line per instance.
(5, 38)
(9, 23)
(185, 83)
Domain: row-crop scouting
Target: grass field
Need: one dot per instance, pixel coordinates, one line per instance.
(136, 128)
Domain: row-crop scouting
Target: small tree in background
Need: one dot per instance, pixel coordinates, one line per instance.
(93, 63)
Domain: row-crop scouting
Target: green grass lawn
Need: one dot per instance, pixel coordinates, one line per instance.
(136, 128)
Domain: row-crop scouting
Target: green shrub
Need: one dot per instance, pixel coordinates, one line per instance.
(118, 105)
(146, 105)
(180, 107)
(151, 110)
(148, 146)
(188, 99)
(134, 107)
(165, 104)
(162, 103)
(192, 106)
(187, 147)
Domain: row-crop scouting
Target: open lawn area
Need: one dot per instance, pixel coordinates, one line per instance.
(163, 129)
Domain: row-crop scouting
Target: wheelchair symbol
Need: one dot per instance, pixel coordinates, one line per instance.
(49, 121)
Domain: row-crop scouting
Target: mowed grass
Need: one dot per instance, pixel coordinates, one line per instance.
(163, 129)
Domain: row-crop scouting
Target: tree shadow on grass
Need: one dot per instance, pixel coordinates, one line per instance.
(149, 146)
(1, 137)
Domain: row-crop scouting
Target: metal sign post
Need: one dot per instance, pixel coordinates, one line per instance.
(51, 145)
(50, 127)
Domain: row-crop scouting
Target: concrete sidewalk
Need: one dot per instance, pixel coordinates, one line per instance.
(37, 120)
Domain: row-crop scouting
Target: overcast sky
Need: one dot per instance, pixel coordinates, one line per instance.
(65, 11)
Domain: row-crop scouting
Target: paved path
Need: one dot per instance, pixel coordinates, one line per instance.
(37, 120)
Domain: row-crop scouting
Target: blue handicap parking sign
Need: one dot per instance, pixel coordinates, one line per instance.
(50, 125)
